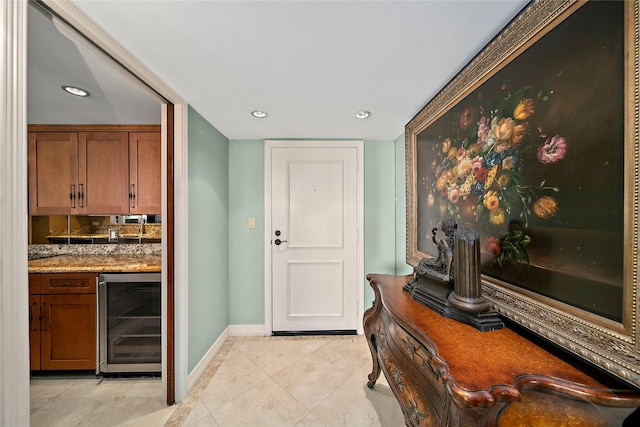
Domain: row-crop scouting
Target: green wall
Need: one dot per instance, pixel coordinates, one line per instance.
(246, 247)
(208, 294)
(226, 259)
(379, 211)
(246, 200)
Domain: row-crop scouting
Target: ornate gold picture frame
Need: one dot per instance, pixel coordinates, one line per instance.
(534, 144)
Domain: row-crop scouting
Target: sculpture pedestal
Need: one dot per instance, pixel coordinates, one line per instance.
(435, 295)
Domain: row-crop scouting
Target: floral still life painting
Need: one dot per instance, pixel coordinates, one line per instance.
(533, 160)
(485, 167)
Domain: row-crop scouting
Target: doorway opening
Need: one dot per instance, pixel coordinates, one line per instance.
(100, 59)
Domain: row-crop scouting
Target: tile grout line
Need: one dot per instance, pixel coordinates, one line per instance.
(317, 353)
(309, 352)
(184, 409)
(186, 406)
(270, 376)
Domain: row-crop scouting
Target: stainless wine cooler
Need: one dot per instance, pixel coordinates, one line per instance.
(129, 324)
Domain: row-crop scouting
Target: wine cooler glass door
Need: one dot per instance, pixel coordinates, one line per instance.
(130, 323)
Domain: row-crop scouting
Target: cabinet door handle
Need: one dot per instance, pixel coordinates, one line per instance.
(80, 195)
(44, 317)
(72, 195)
(132, 195)
(32, 315)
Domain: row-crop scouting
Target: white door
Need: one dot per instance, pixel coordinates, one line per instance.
(314, 238)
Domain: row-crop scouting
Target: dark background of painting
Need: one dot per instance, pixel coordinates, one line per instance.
(577, 255)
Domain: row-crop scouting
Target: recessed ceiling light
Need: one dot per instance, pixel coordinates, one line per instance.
(73, 90)
(362, 114)
(259, 114)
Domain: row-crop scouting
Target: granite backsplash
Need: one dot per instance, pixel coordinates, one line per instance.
(44, 251)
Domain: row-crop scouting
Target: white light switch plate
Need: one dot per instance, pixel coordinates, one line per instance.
(251, 223)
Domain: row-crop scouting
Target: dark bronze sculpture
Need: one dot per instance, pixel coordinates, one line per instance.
(450, 282)
(442, 266)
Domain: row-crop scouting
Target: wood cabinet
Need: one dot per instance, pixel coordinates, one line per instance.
(53, 172)
(62, 321)
(445, 373)
(145, 182)
(103, 173)
(98, 170)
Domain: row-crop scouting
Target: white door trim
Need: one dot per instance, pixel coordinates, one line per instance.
(268, 285)
(14, 294)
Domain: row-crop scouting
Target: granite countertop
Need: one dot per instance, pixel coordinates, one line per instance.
(120, 263)
(104, 236)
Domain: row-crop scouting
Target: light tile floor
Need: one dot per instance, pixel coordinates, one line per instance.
(253, 381)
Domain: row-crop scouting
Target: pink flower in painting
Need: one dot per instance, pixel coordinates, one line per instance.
(461, 154)
(454, 194)
(553, 150)
(476, 164)
(483, 130)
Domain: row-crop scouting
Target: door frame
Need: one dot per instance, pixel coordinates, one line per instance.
(175, 224)
(14, 289)
(13, 121)
(268, 283)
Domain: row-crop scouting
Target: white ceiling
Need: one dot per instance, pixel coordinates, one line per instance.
(311, 65)
(58, 56)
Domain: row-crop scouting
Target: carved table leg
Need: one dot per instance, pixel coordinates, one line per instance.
(371, 318)
(375, 372)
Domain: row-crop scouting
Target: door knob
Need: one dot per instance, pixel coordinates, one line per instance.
(278, 242)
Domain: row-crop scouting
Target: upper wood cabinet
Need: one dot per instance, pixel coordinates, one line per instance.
(53, 172)
(145, 182)
(103, 173)
(97, 170)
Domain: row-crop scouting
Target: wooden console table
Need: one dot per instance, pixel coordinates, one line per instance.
(446, 373)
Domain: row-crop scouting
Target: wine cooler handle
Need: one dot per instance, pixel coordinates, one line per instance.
(99, 285)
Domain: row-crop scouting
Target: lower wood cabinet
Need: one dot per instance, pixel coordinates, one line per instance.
(62, 321)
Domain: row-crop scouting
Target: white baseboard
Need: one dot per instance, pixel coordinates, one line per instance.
(197, 372)
(246, 330)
